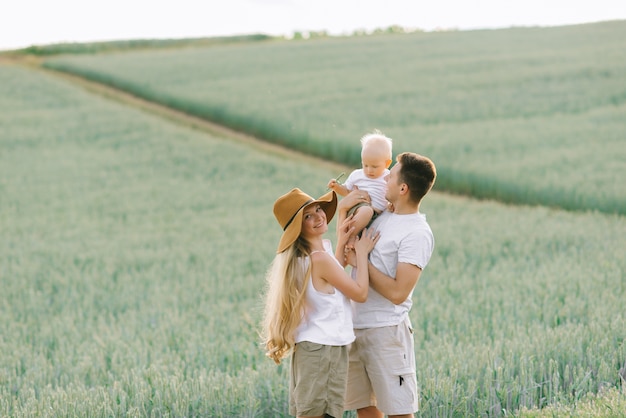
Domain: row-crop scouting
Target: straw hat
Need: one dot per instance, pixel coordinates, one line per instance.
(288, 210)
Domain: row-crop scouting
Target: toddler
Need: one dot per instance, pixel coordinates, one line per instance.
(375, 160)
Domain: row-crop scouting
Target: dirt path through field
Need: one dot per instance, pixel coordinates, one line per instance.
(174, 115)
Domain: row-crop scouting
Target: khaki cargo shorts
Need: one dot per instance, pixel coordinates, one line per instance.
(381, 370)
(317, 384)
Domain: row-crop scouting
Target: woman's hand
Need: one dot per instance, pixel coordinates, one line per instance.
(365, 244)
(354, 197)
(345, 230)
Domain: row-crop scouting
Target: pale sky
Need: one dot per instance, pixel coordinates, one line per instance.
(36, 22)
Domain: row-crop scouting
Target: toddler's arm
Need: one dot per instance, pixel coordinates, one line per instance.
(339, 188)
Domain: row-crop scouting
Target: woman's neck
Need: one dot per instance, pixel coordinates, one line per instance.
(316, 243)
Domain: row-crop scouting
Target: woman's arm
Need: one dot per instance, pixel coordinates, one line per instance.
(351, 199)
(344, 230)
(326, 268)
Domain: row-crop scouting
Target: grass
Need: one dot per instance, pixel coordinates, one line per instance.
(507, 114)
(508, 313)
(120, 278)
(611, 403)
(132, 271)
(130, 45)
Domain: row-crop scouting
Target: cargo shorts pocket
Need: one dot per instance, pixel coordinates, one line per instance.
(308, 358)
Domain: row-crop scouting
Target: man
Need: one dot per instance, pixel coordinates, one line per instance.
(382, 377)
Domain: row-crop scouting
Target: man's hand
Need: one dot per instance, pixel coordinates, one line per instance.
(349, 255)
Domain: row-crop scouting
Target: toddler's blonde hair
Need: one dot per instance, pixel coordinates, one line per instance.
(378, 142)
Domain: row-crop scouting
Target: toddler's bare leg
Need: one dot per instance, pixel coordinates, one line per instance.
(362, 217)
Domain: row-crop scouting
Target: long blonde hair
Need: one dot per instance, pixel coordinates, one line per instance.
(285, 299)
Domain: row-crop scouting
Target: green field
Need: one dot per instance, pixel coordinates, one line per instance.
(525, 115)
(134, 250)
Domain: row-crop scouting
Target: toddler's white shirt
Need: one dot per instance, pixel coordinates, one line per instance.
(375, 187)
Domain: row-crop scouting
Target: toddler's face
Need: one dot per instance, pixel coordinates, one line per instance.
(374, 166)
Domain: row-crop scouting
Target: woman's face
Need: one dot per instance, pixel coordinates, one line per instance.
(314, 221)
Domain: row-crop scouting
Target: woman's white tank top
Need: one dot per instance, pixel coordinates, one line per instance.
(328, 317)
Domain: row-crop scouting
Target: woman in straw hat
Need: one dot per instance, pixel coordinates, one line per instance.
(307, 312)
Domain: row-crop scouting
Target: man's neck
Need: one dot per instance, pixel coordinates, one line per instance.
(403, 207)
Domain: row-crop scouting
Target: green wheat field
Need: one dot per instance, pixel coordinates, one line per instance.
(133, 247)
(526, 116)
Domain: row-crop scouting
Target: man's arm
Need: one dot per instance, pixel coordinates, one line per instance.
(396, 289)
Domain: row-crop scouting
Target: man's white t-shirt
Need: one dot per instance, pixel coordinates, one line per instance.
(376, 188)
(403, 239)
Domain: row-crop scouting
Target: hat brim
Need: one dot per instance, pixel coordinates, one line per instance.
(327, 202)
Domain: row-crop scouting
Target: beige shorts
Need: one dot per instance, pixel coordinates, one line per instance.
(317, 385)
(354, 208)
(381, 370)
